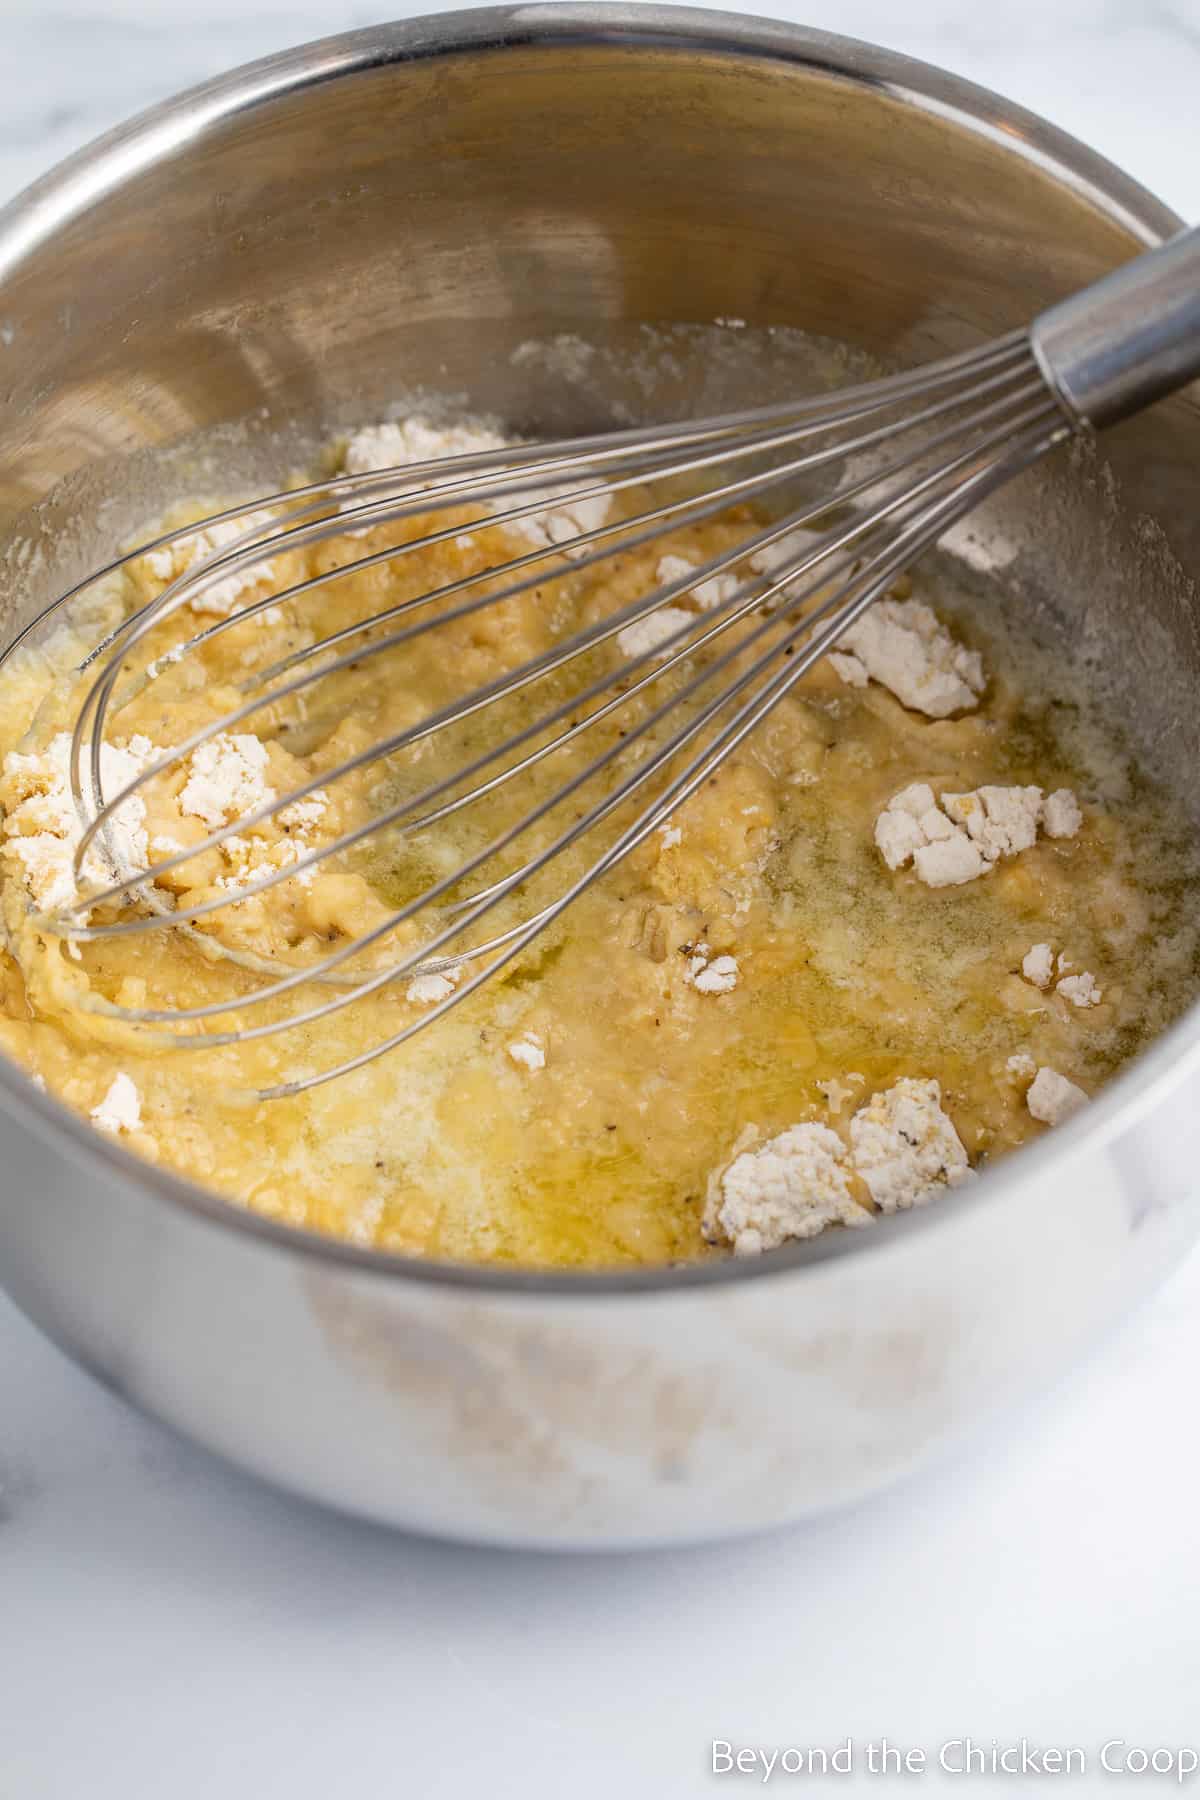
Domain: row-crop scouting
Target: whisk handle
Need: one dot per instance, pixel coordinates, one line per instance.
(1127, 340)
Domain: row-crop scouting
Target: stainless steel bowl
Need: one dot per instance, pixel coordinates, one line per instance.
(404, 208)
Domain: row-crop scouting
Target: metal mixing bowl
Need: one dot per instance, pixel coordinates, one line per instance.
(405, 208)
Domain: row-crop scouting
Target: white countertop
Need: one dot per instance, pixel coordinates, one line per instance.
(171, 1630)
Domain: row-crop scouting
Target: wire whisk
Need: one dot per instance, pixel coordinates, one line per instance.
(837, 495)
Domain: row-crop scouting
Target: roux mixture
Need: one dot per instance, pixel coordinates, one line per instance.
(754, 965)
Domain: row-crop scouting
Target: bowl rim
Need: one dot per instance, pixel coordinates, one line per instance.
(69, 189)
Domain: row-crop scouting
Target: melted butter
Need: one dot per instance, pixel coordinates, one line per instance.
(848, 973)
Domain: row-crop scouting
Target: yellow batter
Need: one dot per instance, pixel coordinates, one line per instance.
(849, 974)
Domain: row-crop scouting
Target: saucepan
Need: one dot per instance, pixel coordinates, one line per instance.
(542, 210)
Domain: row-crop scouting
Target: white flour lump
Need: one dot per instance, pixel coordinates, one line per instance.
(1052, 1098)
(903, 1148)
(959, 837)
(400, 442)
(715, 591)
(1038, 966)
(1080, 990)
(652, 630)
(903, 645)
(1061, 817)
(911, 828)
(792, 1187)
(528, 1051)
(121, 1108)
(906, 1148)
(227, 779)
(41, 824)
(711, 974)
(301, 814)
(1002, 820)
(232, 592)
(431, 988)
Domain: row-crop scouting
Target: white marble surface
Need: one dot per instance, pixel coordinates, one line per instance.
(169, 1630)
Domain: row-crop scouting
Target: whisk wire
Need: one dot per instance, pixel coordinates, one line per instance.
(178, 593)
(908, 542)
(680, 791)
(504, 687)
(893, 386)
